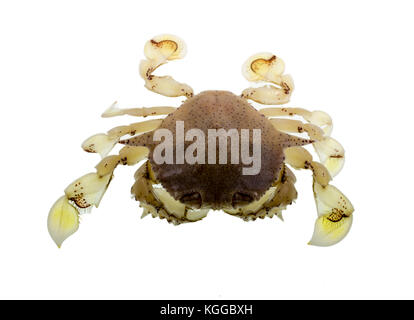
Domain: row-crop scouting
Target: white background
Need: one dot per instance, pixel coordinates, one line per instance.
(63, 62)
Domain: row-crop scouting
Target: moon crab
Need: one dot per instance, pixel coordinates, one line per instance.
(251, 177)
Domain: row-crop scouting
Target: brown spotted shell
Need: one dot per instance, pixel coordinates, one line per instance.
(219, 185)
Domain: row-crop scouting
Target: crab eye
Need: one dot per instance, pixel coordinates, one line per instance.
(192, 200)
(241, 199)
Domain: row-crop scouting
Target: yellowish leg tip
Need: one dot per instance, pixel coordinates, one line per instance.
(330, 229)
(63, 220)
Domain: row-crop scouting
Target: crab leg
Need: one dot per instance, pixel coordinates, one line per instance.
(300, 158)
(86, 192)
(158, 51)
(330, 152)
(269, 68)
(288, 125)
(334, 209)
(103, 143)
(114, 111)
(318, 118)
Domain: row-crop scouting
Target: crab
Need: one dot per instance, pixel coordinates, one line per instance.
(183, 189)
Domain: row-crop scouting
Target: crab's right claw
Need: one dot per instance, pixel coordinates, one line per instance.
(63, 220)
(334, 215)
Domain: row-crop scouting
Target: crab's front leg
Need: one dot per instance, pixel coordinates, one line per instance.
(160, 50)
(334, 209)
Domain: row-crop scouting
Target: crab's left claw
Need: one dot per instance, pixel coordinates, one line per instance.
(334, 215)
(63, 220)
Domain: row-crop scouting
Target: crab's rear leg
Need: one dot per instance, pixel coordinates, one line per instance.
(334, 209)
(160, 50)
(268, 68)
(88, 190)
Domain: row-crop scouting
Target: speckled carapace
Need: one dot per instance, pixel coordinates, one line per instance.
(217, 185)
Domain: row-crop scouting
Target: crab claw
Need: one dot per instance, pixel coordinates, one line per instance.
(63, 220)
(331, 153)
(88, 190)
(334, 215)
